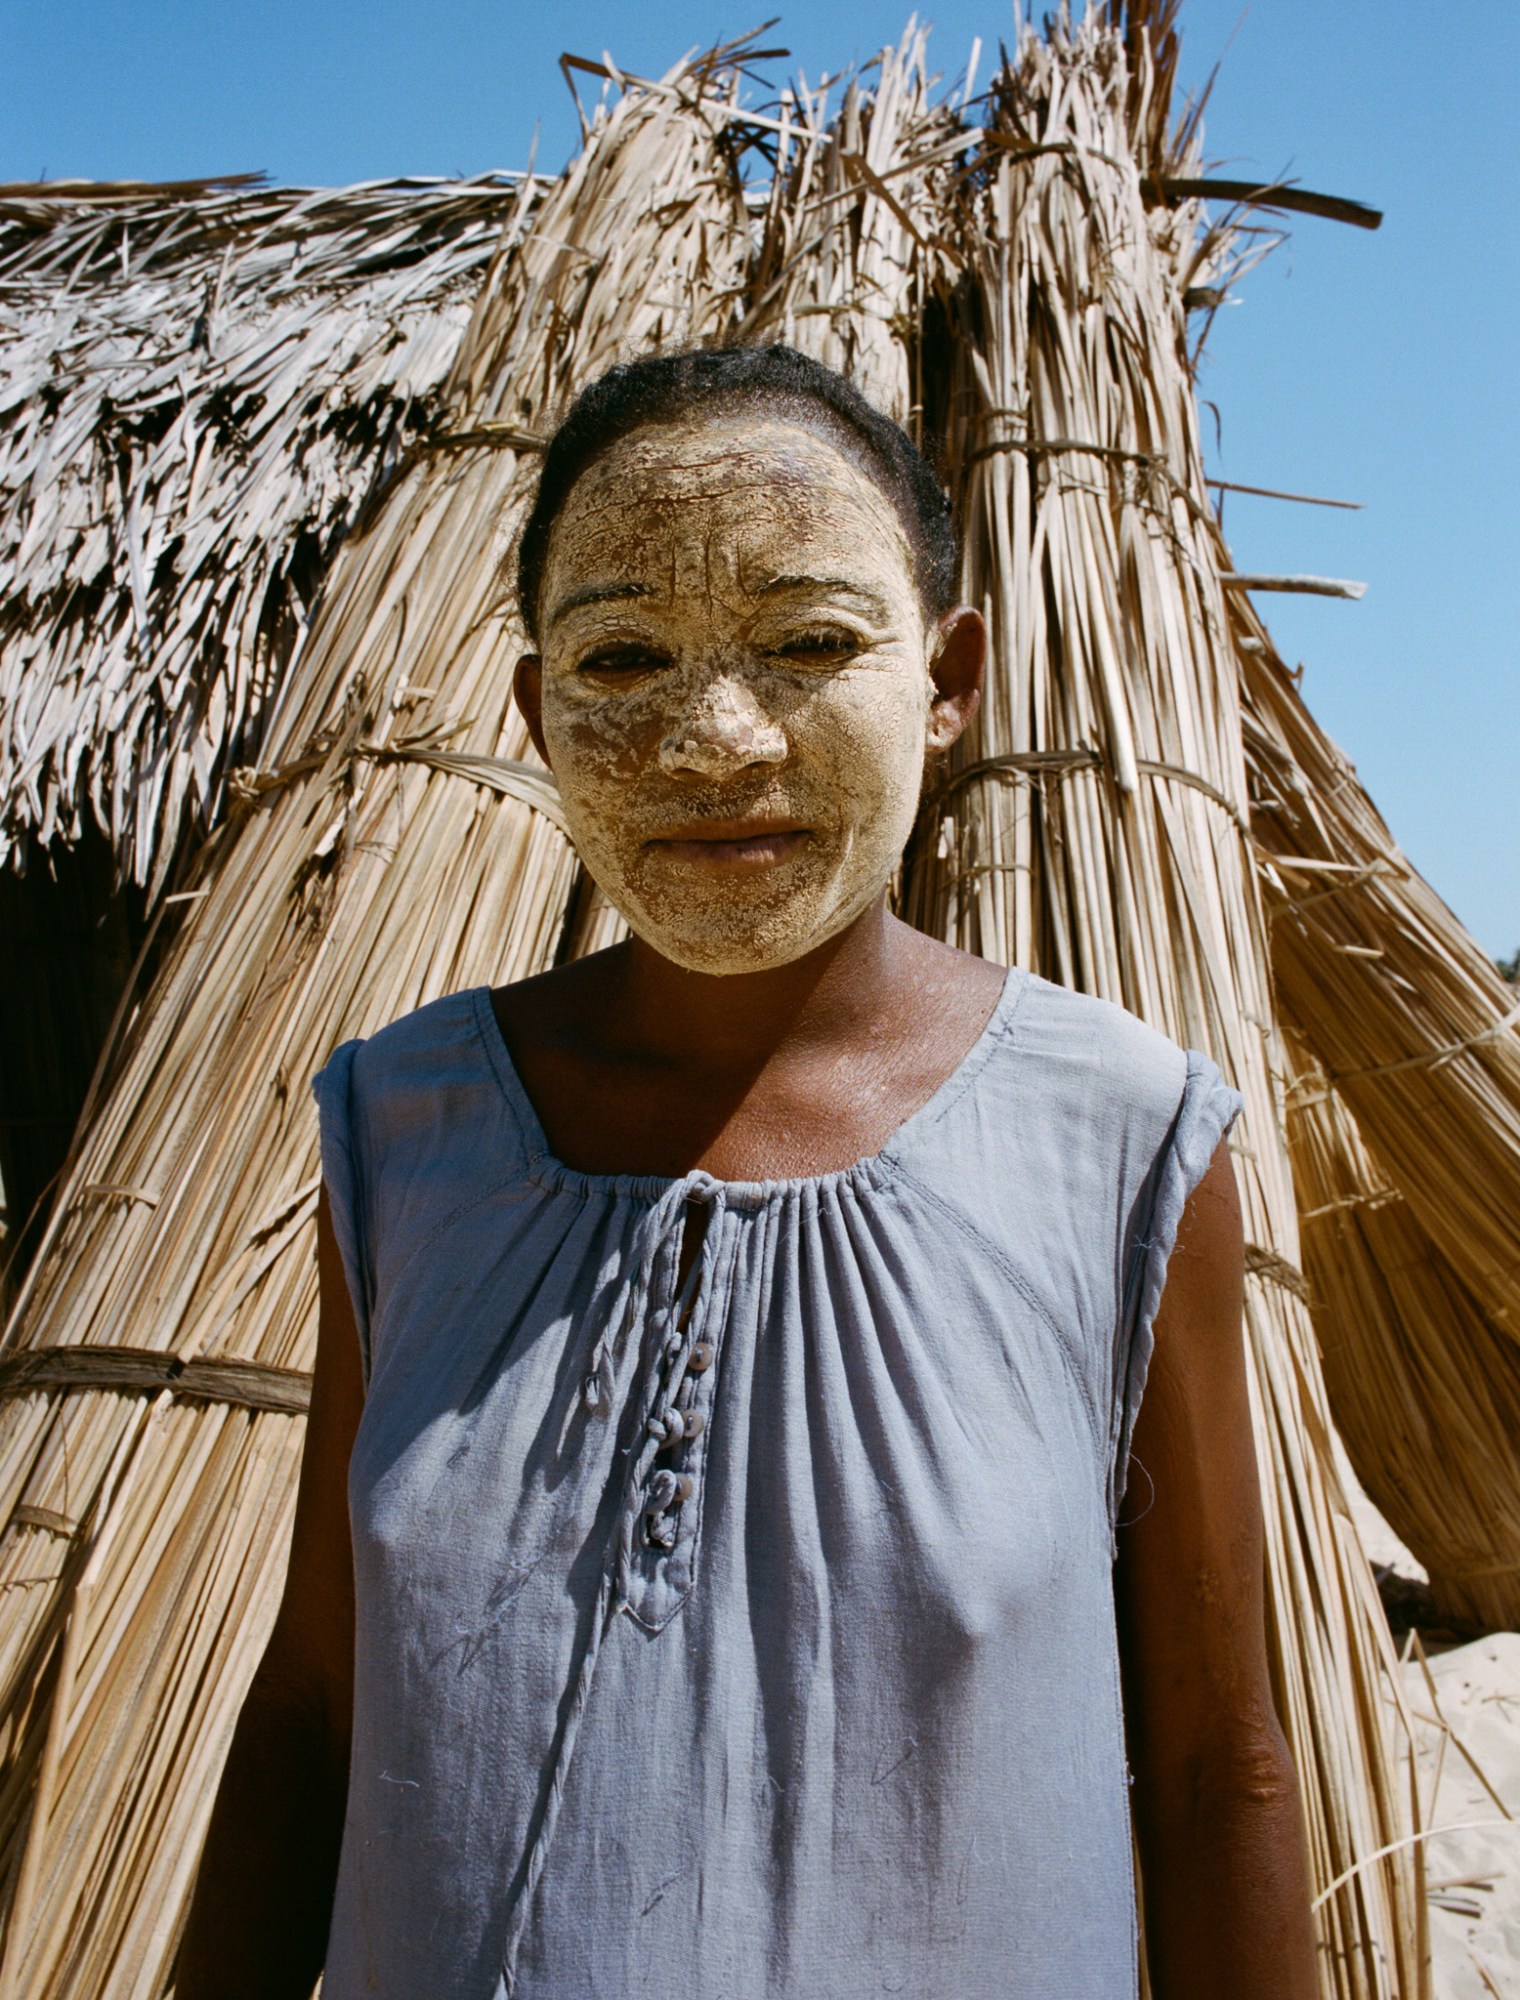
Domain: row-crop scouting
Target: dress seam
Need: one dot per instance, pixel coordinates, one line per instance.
(507, 1183)
(1031, 1298)
(1000, 1031)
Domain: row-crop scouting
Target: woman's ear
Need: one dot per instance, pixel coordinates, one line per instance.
(528, 693)
(956, 670)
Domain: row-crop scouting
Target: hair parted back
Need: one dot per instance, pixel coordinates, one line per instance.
(775, 380)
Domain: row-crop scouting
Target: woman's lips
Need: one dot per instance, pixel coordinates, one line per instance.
(733, 845)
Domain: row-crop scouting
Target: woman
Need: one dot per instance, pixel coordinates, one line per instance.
(733, 1344)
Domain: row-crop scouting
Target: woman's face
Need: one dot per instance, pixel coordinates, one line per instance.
(736, 681)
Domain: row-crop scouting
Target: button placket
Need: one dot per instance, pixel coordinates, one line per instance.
(610, 1357)
(663, 1507)
(650, 1580)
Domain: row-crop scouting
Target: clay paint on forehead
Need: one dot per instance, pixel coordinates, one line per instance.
(715, 498)
(759, 587)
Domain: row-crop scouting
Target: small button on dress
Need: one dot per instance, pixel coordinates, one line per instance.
(749, 1633)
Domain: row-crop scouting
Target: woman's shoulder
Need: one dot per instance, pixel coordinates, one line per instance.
(1098, 1050)
(433, 1075)
(439, 1045)
(1069, 1102)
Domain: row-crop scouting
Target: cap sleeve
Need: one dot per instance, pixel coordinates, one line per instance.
(1209, 1107)
(333, 1089)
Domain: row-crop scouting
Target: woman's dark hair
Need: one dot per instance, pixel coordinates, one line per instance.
(661, 388)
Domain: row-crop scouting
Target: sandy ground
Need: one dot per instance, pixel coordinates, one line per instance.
(1466, 1704)
(1466, 1707)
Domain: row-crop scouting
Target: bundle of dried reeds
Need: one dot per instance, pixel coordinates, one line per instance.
(1016, 289)
(196, 386)
(1425, 1389)
(1412, 1021)
(1401, 1015)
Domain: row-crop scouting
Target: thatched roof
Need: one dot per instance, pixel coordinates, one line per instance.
(199, 385)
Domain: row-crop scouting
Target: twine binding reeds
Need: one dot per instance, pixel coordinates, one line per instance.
(1422, 1058)
(247, 1385)
(1039, 765)
(508, 777)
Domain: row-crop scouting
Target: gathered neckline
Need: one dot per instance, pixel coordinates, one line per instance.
(871, 1170)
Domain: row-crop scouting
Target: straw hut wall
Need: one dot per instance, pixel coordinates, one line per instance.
(1012, 277)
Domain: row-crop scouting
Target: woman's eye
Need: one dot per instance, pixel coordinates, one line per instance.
(614, 664)
(830, 645)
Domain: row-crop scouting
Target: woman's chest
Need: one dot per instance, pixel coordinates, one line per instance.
(838, 1404)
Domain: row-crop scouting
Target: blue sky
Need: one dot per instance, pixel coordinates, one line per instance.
(1378, 368)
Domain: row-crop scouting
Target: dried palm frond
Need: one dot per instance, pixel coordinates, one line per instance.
(198, 386)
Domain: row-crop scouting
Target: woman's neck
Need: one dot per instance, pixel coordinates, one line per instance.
(636, 1066)
(740, 1019)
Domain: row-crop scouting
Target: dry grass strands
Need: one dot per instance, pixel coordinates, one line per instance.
(1415, 1039)
(1411, 1020)
(1096, 829)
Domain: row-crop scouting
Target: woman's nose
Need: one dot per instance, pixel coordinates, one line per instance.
(723, 732)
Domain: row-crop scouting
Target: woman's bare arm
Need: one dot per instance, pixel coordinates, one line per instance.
(263, 1900)
(1215, 1798)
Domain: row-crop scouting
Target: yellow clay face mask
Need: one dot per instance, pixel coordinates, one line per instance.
(736, 686)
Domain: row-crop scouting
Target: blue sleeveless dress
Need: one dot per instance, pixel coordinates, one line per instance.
(771, 1654)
